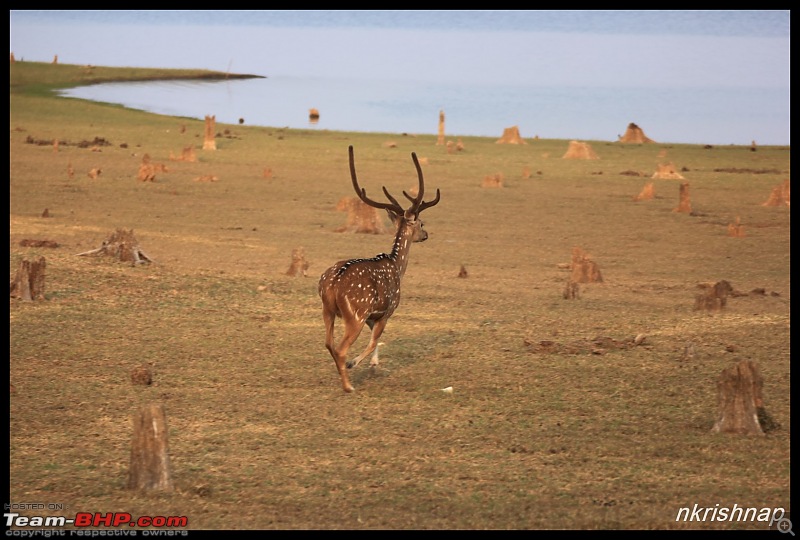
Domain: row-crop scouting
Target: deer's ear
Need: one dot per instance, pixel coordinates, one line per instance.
(392, 216)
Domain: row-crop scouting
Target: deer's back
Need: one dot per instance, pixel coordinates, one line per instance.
(372, 286)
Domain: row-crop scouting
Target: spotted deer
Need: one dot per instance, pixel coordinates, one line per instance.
(367, 291)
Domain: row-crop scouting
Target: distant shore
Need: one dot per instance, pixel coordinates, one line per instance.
(23, 75)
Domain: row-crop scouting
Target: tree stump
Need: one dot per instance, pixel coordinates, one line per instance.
(685, 205)
(580, 150)
(440, 137)
(148, 169)
(187, 154)
(492, 180)
(122, 244)
(150, 467)
(780, 196)
(584, 269)
(714, 297)
(572, 290)
(736, 230)
(299, 264)
(511, 136)
(739, 400)
(648, 192)
(361, 218)
(28, 284)
(667, 171)
(209, 143)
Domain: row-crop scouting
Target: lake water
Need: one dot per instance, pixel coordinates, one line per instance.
(684, 77)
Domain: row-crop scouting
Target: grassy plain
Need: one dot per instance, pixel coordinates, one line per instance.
(261, 435)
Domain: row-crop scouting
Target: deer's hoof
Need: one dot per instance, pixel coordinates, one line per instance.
(350, 364)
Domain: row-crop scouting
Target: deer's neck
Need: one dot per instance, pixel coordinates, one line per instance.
(402, 246)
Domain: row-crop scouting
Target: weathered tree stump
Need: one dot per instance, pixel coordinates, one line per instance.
(361, 218)
(685, 205)
(580, 150)
(209, 143)
(572, 290)
(648, 192)
(28, 284)
(736, 230)
(150, 467)
(492, 180)
(299, 264)
(739, 400)
(148, 169)
(714, 297)
(187, 154)
(584, 269)
(781, 195)
(635, 134)
(440, 137)
(511, 136)
(667, 171)
(123, 245)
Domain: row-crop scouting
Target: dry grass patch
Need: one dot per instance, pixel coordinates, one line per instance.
(261, 435)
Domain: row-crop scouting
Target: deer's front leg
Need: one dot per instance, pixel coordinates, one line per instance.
(377, 329)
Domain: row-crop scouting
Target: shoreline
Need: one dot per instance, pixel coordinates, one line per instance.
(43, 78)
(25, 76)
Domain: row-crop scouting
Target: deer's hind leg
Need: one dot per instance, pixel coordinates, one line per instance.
(352, 328)
(372, 347)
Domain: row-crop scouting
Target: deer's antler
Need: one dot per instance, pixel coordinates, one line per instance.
(362, 193)
(417, 204)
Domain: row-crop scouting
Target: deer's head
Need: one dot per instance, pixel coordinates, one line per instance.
(400, 217)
